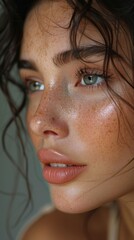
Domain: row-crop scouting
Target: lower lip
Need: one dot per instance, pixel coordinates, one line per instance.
(57, 175)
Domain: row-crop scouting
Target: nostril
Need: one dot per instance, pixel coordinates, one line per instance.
(48, 126)
(49, 132)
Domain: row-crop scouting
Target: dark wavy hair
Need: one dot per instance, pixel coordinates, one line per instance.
(108, 18)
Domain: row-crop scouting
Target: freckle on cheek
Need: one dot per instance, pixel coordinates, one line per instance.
(96, 129)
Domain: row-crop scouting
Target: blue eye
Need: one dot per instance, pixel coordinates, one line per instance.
(34, 86)
(92, 79)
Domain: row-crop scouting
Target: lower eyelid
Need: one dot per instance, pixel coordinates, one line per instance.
(29, 82)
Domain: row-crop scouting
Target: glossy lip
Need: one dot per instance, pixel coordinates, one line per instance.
(56, 175)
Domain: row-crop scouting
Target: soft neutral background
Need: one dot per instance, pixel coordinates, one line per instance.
(8, 177)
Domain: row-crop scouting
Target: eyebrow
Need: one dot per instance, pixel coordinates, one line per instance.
(65, 57)
(25, 64)
(78, 53)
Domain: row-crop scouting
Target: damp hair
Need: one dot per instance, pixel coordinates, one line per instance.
(116, 15)
(10, 40)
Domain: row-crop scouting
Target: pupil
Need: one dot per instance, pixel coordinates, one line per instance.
(35, 85)
(90, 79)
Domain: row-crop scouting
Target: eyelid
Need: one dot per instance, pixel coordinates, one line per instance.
(31, 80)
(93, 71)
(29, 74)
(85, 71)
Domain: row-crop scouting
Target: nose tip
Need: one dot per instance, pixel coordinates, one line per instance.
(46, 126)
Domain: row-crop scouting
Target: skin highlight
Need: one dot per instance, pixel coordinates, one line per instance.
(81, 122)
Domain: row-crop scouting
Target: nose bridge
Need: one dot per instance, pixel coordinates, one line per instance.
(48, 105)
(49, 115)
(44, 104)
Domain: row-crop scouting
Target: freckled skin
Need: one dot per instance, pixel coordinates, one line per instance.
(85, 121)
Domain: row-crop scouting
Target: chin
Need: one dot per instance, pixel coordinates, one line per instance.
(70, 208)
(73, 204)
(74, 200)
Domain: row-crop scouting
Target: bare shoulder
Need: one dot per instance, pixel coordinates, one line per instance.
(51, 226)
(41, 229)
(56, 225)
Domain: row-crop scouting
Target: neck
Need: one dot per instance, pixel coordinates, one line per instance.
(126, 208)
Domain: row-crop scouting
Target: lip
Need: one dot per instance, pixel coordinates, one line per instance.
(58, 175)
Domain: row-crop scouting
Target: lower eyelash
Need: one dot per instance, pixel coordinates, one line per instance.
(85, 71)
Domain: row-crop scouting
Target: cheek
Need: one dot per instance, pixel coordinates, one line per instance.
(102, 133)
(96, 124)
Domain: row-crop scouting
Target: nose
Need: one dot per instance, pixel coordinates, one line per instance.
(49, 118)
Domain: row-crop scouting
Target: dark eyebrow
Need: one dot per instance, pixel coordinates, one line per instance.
(24, 64)
(65, 57)
(79, 53)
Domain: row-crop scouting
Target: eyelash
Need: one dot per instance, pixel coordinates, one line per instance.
(29, 82)
(83, 72)
(80, 74)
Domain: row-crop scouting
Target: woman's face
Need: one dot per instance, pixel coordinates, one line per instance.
(70, 116)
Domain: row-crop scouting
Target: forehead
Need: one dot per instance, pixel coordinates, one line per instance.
(49, 15)
(45, 23)
(48, 24)
(46, 33)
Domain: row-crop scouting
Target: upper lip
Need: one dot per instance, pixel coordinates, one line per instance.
(48, 156)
